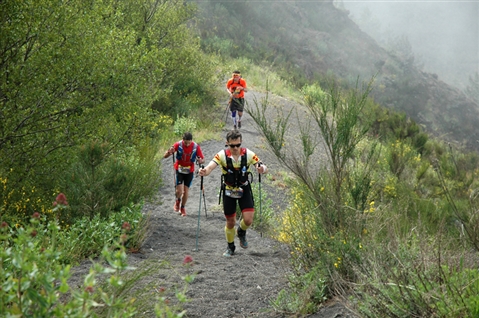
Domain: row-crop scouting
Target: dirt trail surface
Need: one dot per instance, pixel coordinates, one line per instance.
(243, 285)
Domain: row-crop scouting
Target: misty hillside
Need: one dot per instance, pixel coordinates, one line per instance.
(314, 41)
(442, 36)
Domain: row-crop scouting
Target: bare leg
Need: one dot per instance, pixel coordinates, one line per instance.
(185, 195)
(248, 218)
(179, 191)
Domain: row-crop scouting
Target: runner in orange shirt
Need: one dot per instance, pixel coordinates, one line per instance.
(236, 87)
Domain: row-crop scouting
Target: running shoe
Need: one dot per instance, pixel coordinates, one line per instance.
(176, 207)
(242, 237)
(183, 211)
(239, 124)
(230, 250)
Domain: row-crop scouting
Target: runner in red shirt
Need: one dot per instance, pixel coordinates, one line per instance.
(187, 152)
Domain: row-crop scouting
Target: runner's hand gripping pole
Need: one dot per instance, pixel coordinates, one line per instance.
(199, 213)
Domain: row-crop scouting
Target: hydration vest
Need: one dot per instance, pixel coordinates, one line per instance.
(235, 176)
(179, 152)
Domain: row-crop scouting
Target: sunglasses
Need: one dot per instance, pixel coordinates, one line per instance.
(235, 146)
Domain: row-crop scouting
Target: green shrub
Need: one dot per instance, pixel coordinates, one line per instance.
(405, 281)
(87, 237)
(34, 279)
(307, 291)
(17, 204)
(419, 141)
(184, 124)
(264, 213)
(100, 182)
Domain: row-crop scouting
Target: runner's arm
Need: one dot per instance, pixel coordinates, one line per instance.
(228, 88)
(243, 85)
(254, 160)
(169, 152)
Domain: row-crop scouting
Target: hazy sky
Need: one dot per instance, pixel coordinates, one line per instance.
(444, 35)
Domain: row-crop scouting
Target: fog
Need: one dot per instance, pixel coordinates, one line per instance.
(443, 35)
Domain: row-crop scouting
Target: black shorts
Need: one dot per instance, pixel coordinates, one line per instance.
(246, 202)
(185, 179)
(237, 104)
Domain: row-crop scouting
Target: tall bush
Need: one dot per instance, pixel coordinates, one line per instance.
(326, 222)
(99, 183)
(88, 72)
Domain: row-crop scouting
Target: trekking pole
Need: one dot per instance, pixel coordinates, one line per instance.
(260, 216)
(199, 213)
(203, 191)
(204, 200)
(174, 174)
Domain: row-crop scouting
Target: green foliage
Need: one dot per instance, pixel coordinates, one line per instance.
(399, 156)
(87, 237)
(17, 204)
(35, 278)
(320, 261)
(89, 72)
(342, 123)
(98, 183)
(382, 219)
(470, 280)
(184, 124)
(428, 228)
(359, 181)
(406, 283)
(326, 199)
(389, 124)
(264, 213)
(464, 211)
(310, 289)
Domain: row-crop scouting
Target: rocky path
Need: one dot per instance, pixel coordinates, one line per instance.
(241, 286)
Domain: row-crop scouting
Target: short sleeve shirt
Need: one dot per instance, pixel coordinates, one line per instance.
(231, 86)
(251, 159)
(185, 160)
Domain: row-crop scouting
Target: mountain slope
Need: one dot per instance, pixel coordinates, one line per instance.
(312, 41)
